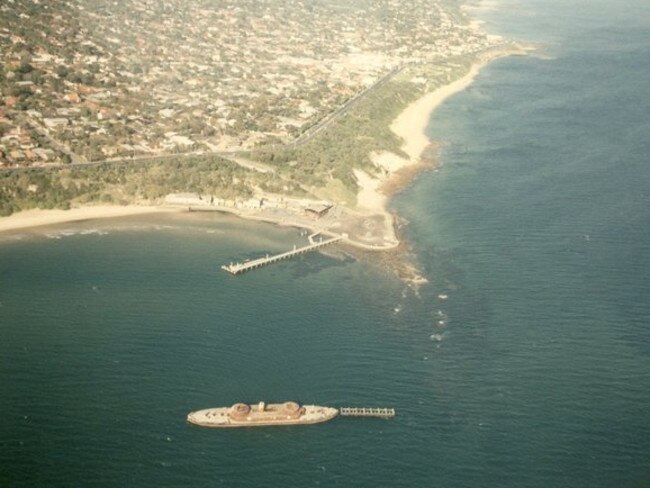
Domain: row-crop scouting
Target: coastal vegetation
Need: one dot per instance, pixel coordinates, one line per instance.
(125, 183)
(325, 163)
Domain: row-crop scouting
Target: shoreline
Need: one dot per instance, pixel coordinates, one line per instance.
(411, 126)
(374, 192)
(28, 219)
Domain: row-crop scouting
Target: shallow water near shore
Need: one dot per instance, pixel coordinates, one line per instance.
(524, 362)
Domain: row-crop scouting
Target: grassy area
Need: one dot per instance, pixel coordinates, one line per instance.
(126, 183)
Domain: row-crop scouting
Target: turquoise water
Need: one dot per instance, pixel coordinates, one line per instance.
(536, 229)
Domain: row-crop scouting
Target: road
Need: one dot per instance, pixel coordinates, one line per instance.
(26, 121)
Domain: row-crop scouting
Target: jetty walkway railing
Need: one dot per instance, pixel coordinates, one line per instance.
(366, 412)
(238, 268)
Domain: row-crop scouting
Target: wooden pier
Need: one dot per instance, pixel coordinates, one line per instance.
(366, 412)
(238, 268)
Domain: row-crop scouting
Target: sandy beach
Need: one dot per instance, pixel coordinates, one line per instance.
(37, 217)
(411, 125)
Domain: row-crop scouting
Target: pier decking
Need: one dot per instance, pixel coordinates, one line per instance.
(238, 268)
(366, 412)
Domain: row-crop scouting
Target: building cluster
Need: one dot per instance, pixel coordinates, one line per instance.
(89, 80)
(291, 206)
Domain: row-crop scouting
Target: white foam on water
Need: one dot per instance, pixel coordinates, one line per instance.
(98, 232)
(438, 337)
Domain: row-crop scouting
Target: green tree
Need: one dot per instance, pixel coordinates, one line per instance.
(62, 71)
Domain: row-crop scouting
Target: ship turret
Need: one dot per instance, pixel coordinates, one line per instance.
(292, 410)
(239, 411)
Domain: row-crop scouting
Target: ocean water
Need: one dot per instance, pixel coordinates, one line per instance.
(534, 371)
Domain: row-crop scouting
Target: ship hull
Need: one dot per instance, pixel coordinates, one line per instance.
(220, 418)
